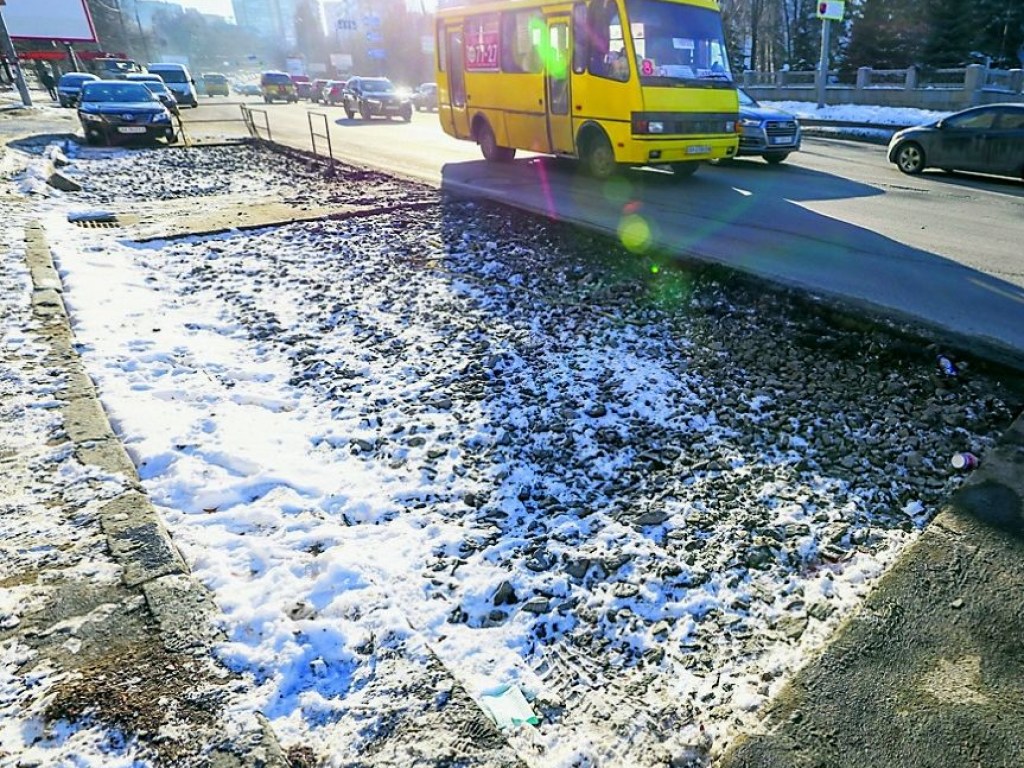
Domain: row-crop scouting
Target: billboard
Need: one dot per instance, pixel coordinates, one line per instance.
(65, 20)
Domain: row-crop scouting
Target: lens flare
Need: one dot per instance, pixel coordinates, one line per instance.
(635, 233)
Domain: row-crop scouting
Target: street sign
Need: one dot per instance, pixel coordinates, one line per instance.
(831, 10)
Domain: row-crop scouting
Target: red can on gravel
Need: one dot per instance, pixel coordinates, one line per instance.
(964, 460)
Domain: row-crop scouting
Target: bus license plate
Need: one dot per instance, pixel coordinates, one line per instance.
(131, 129)
(698, 149)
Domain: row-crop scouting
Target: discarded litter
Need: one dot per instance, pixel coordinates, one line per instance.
(508, 706)
(947, 366)
(964, 460)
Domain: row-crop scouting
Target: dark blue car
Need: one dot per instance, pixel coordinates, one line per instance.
(117, 111)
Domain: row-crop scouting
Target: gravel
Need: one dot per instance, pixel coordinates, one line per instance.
(689, 478)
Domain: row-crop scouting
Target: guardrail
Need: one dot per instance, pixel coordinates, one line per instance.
(250, 121)
(313, 136)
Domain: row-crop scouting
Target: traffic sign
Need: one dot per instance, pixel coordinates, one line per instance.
(831, 10)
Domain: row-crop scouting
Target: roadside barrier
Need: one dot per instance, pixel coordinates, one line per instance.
(313, 136)
(250, 122)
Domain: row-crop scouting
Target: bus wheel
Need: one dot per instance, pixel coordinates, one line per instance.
(684, 170)
(599, 158)
(489, 146)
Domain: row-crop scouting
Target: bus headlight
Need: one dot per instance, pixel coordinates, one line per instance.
(655, 127)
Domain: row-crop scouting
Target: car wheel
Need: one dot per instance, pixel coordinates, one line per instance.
(266, 99)
(171, 137)
(364, 112)
(349, 113)
(407, 114)
(492, 152)
(685, 170)
(599, 158)
(910, 158)
(774, 158)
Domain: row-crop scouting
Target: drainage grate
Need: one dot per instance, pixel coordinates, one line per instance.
(98, 223)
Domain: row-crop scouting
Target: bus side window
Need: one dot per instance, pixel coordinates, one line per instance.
(607, 49)
(520, 40)
(442, 49)
(580, 38)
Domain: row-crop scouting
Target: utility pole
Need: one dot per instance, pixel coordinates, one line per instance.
(7, 45)
(828, 11)
(823, 61)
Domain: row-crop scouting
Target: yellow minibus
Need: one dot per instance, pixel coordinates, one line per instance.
(610, 82)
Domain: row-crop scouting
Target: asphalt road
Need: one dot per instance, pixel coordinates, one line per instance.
(836, 219)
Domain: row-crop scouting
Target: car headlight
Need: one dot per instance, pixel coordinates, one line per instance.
(92, 117)
(161, 117)
(655, 127)
(749, 122)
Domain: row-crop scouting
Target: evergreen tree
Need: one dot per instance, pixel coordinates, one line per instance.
(949, 41)
(886, 34)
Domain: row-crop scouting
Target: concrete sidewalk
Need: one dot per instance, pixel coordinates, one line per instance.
(929, 672)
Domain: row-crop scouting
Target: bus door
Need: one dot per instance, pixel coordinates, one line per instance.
(557, 85)
(457, 81)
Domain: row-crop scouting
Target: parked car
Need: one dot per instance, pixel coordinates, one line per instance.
(250, 89)
(69, 86)
(277, 86)
(179, 80)
(373, 97)
(334, 92)
(216, 84)
(316, 91)
(117, 110)
(988, 139)
(425, 97)
(770, 133)
(159, 88)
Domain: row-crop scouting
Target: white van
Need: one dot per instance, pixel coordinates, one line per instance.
(179, 82)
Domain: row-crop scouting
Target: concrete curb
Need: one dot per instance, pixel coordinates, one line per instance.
(182, 607)
(928, 672)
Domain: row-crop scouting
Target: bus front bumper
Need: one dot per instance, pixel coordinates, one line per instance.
(656, 151)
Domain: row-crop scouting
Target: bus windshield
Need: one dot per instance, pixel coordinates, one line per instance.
(677, 44)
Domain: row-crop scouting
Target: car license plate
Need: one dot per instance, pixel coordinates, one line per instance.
(698, 149)
(780, 139)
(131, 129)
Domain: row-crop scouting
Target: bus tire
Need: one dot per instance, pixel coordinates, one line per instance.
(685, 170)
(489, 145)
(599, 157)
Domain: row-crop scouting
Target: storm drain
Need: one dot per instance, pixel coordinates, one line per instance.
(98, 223)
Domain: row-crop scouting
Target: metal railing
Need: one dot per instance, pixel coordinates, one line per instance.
(326, 135)
(250, 122)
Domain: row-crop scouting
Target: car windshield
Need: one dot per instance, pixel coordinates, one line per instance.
(378, 85)
(674, 43)
(171, 75)
(74, 80)
(428, 87)
(116, 92)
(156, 87)
(215, 79)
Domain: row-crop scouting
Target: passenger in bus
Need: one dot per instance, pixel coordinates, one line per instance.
(619, 67)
